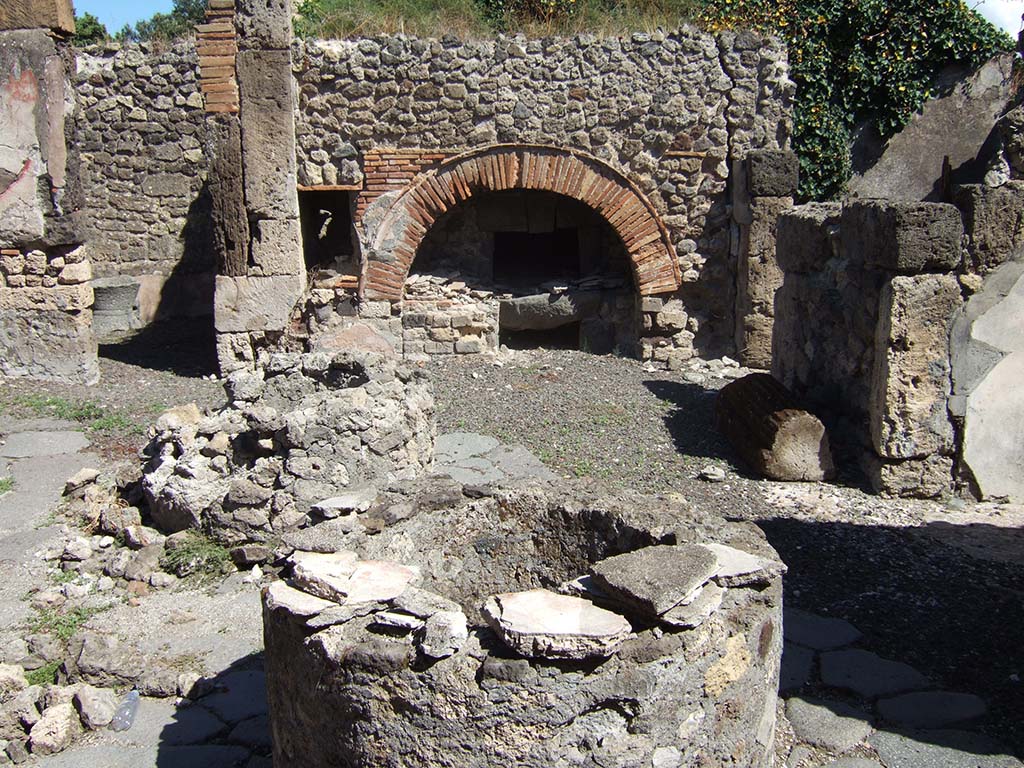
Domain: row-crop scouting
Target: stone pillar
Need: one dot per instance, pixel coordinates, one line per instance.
(45, 291)
(916, 246)
(862, 331)
(765, 182)
(256, 197)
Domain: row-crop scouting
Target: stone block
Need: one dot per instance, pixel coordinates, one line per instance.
(994, 222)
(48, 344)
(255, 303)
(167, 185)
(276, 247)
(264, 24)
(911, 377)
(37, 14)
(268, 134)
(928, 478)
(64, 298)
(907, 238)
(73, 274)
(806, 236)
(772, 173)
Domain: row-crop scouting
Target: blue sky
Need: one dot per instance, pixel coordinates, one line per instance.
(116, 13)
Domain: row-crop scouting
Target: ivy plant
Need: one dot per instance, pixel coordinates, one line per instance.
(857, 60)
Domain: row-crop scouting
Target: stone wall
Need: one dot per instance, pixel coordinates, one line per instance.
(45, 294)
(666, 111)
(142, 146)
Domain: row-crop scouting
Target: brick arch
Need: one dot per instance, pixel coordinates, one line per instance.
(507, 166)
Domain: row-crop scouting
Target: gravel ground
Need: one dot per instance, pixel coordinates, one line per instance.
(940, 586)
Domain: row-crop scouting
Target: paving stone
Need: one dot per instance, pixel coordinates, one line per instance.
(940, 749)
(253, 733)
(830, 725)
(192, 725)
(21, 445)
(244, 695)
(821, 633)
(797, 755)
(797, 667)
(542, 623)
(656, 579)
(855, 762)
(931, 709)
(868, 674)
(205, 756)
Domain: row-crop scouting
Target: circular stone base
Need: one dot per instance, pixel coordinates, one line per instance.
(401, 682)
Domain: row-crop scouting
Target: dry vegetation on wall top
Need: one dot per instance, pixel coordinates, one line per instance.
(469, 19)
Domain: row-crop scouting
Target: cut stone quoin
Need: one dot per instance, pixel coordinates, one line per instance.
(566, 172)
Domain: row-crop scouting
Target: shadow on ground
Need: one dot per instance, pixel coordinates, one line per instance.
(187, 347)
(224, 723)
(691, 421)
(956, 618)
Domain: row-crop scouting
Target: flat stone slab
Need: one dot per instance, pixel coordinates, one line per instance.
(693, 614)
(354, 500)
(23, 445)
(543, 623)
(797, 663)
(855, 762)
(830, 725)
(737, 568)
(869, 675)
(931, 709)
(453, 447)
(656, 579)
(473, 459)
(940, 749)
(295, 601)
(344, 578)
(821, 633)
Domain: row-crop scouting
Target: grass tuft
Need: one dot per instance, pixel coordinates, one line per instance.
(197, 555)
(6, 484)
(62, 623)
(45, 675)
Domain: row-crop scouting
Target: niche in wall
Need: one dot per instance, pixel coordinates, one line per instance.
(328, 240)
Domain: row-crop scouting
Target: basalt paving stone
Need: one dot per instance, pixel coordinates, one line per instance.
(797, 667)
(830, 725)
(192, 725)
(244, 695)
(869, 675)
(940, 749)
(931, 709)
(821, 633)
